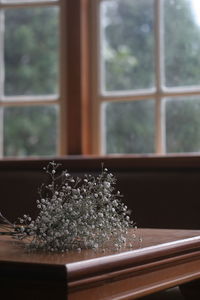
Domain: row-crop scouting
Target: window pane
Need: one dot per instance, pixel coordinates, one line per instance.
(182, 43)
(30, 130)
(127, 44)
(129, 127)
(31, 51)
(183, 124)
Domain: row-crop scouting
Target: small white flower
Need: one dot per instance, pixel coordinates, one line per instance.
(75, 214)
(100, 215)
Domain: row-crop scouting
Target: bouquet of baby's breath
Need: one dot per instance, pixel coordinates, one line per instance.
(76, 214)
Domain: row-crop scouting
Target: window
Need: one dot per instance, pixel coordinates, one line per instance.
(146, 76)
(31, 94)
(99, 76)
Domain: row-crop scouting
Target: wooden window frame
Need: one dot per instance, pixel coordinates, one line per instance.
(80, 120)
(78, 125)
(74, 98)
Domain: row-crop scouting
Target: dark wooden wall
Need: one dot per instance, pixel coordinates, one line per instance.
(160, 191)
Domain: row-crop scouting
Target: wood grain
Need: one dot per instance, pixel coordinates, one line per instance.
(165, 258)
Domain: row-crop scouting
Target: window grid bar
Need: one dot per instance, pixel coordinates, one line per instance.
(29, 4)
(62, 145)
(28, 103)
(160, 141)
(1, 78)
(144, 95)
(31, 98)
(163, 128)
(95, 78)
(46, 99)
(1, 131)
(101, 79)
(1, 53)
(103, 129)
(157, 24)
(159, 121)
(129, 93)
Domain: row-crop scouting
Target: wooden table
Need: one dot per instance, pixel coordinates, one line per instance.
(165, 259)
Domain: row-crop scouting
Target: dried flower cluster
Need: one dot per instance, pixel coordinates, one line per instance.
(77, 214)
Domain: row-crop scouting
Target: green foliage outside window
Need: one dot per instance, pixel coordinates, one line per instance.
(130, 127)
(129, 63)
(31, 51)
(30, 131)
(31, 68)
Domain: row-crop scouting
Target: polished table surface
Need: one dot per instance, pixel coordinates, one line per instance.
(164, 258)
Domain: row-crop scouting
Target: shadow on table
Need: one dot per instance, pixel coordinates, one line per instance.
(169, 294)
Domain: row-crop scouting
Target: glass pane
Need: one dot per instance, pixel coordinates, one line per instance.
(30, 130)
(183, 124)
(127, 44)
(129, 127)
(31, 51)
(182, 43)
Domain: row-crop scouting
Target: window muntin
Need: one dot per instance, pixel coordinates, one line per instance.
(169, 83)
(26, 1)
